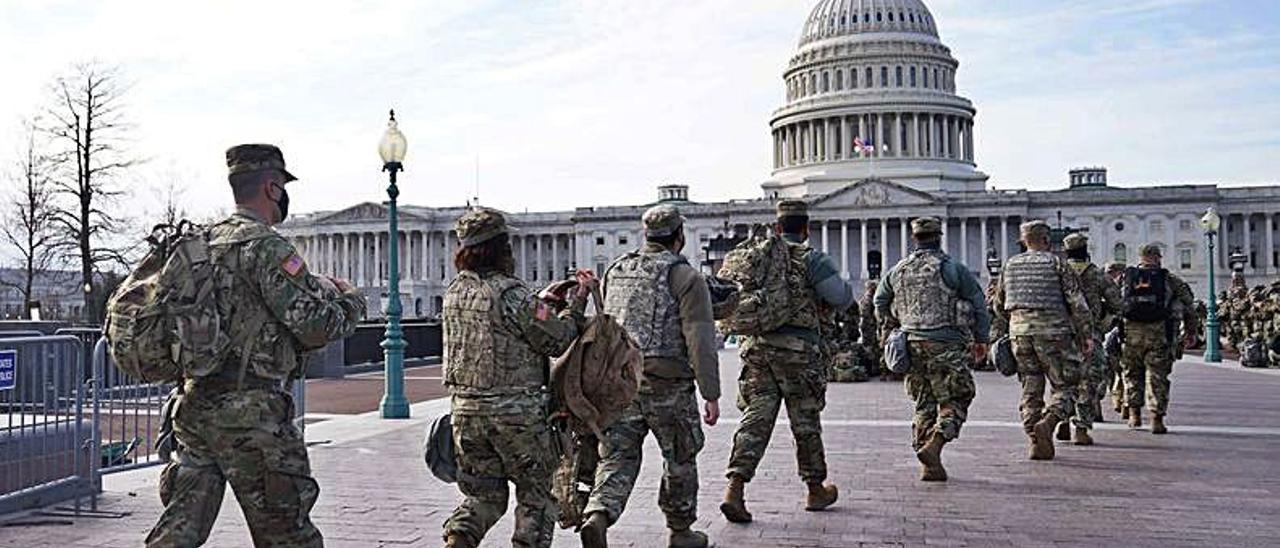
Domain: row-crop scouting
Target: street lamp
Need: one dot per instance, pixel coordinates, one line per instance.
(1211, 222)
(394, 405)
(993, 263)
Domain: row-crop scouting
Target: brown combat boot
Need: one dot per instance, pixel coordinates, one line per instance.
(686, 538)
(734, 506)
(1123, 411)
(1063, 431)
(1082, 436)
(931, 457)
(1041, 438)
(455, 540)
(820, 496)
(594, 532)
(1157, 424)
(1135, 417)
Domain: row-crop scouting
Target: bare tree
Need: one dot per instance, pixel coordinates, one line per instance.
(86, 120)
(172, 207)
(28, 222)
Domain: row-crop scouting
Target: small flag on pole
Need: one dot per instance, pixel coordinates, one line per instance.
(864, 146)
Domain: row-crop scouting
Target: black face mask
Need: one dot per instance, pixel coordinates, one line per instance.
(282, 203)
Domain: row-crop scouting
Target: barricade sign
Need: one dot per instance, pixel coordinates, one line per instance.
(8, 369)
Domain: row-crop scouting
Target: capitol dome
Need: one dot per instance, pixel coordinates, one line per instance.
(870, 93)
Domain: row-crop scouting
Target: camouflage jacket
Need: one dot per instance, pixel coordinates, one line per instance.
(1101, 294)
(275, 305)
(1075, 320)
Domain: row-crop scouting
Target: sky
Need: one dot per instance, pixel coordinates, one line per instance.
(555, 104)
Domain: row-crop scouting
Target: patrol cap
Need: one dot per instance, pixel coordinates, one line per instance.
(256, 157)
(1036, 229)
(793, 208)
(1074, 241)
(661, 221)
(1113, 267)
(1150, 250)
(926, 225)
(479, 225)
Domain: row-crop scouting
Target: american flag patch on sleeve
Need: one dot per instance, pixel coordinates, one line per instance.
(542, 312)
(294, 265)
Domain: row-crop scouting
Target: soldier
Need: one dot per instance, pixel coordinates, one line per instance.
(1049, 324)
(235, 420)
(497, 339)
(940, 305)
(1115, 372)
(1103, 298)
(783, 366)
(868, 331)
(664, 304)
(1154, 301)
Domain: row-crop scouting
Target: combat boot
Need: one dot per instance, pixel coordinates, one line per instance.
(931, 457)
(594, 533)
(1063, 431)
(1041, 438)
(686, 538)
(1157, 424)
(820, 496)
(455, 540)
(734, 506)
(1123, 411)
(1097, 411)
(1082, 436)
(1135, 417)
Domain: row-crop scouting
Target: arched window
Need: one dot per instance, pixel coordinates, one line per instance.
(884, 77)
(890, 17)
(897, 76)
(879, 17)
(870, 80)
(826, 82)
(936, 84)
(913, 76)
(866, 17)
(839, 80)
(925, 74)
(813, 83)
(853, 78)
(1121, 253)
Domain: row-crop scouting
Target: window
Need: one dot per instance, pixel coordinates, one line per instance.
(826, 82)
(839, 80)
(879, 16)
(897, 76)
(622, 240)
(884, 77)
(1184, 259)
(599, 240)
(911, 17)
(1121, 254)
(813, 83)
(866, 17)
(1157, 226)
(935, 79)
(1184, 225)
(890, 17)
(924, 74)
(870, 80)
(853, 78)
(1119, 227)
(913, 77)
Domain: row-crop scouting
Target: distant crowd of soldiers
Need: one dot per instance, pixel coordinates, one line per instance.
(1250, 320)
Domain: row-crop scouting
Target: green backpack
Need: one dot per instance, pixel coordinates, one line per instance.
(165, 315)
(772, 277)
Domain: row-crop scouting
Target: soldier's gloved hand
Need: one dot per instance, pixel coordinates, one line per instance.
(711, 412)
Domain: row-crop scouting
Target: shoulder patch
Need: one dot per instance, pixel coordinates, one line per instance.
(542, 312)
(294, 265)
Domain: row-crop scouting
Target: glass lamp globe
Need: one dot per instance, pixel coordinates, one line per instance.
(1211, 221)
(393, 145)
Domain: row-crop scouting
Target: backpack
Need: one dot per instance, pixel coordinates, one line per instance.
(599, 376)
(1253, 353)
(772, 276)
(165, 315)
(1146, 295)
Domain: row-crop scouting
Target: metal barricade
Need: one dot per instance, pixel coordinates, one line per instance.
(127, 415)
(46, 442)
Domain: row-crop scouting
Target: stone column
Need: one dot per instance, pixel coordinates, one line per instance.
(946, 246)
(555, 258)
(929, 137)
(537, 269)
(846, 142)
(982, 225)
(377, 259)
(1271, 244)
(862, 249)
(1248, 243)
(450, 245)
(1004, 238)
(844, 247)
(964, 240)
(524, 257)
(969, 137)
(903, 231)
(913, 134)
(862, 126)
(879, 142)
(826, 238)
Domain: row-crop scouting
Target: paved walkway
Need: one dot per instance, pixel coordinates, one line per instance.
(1214, 481)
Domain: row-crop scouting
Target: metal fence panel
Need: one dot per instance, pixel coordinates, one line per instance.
(127, 414)
(45, 438)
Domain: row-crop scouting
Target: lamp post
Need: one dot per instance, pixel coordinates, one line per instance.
(1212, 353)
(394, 405)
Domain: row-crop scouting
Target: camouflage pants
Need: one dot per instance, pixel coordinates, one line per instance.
(941, 385)
(245, 438)
(1148, 361)
(493, 450)
(1115, 373)
(772, 375)
(669, 409)
(1051, 358)
(1089, 390)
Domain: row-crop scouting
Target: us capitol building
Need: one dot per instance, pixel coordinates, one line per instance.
(870, 72)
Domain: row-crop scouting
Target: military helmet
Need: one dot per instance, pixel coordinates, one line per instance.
(256, 157)
(661, 221)
(1150, 250)
(792, 208)
(479, 225)
(1075, 241)
(926, 225)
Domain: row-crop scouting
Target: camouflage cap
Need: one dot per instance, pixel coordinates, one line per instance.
(479, 225)
(1074, 241)
(661, 221)
(792, 208)
(1036, 228)
(1113, 267)
(1150, 250)
(256, 157)
(926, 225)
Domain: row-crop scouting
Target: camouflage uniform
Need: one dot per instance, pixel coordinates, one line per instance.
(940, 305)
(785, 366)
(1103, 297)
(1149, 347)
(1039, 295)
(665, 306)
(234, 422)
(497, 339)
(1115, 372)
(868, 331)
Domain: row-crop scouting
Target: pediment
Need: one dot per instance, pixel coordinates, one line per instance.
(367, 211)
(875, 193)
